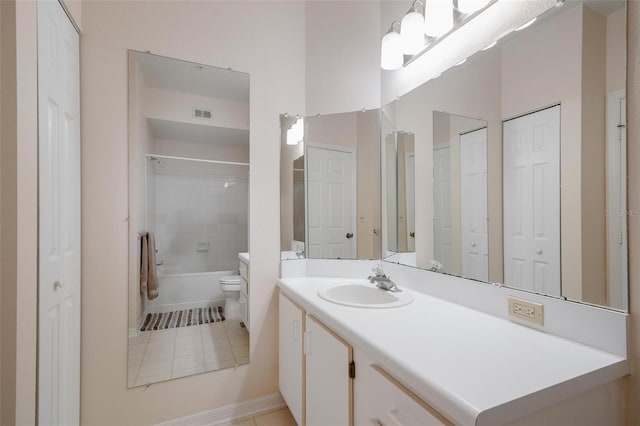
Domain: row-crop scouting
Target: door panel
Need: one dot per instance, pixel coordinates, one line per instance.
(330, 195)
(59, 217)
(443, 249)
(532, 201)
(328, 386)
(473, 205)
(291, 323)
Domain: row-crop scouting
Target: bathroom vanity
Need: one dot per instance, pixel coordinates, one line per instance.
(428, 362)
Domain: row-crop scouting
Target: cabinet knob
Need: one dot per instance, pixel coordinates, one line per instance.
(538, 251)
(57, 285)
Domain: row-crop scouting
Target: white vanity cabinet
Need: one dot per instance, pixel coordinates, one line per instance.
(244, 290)
(329, 383)
(315, 369)
(291, 356)
(383, 401)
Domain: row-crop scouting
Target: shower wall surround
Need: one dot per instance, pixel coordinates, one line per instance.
(201, 222)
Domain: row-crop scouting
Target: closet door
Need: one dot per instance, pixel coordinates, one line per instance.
(59, 217)
(532, 201)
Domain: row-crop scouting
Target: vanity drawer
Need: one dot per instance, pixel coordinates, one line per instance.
(244, 271)
(395, 405)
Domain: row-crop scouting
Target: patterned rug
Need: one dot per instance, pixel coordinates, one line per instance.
(183, 318)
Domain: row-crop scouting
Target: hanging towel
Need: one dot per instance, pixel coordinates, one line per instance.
(148, 277)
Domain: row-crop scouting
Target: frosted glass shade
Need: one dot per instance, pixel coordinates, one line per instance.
(471, 6)
(438, 17)
(412, 33)
(295, 134)
(391, 57)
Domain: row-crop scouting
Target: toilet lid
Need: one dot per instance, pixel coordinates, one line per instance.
(230, 279)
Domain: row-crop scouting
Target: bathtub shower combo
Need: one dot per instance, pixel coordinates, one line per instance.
(198, 212)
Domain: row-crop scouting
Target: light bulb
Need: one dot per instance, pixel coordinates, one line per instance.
(471, 6)
(391, 57)
(412, 30)
(295, 134)
(438, 17)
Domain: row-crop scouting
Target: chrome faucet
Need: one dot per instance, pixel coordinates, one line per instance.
(382, 281)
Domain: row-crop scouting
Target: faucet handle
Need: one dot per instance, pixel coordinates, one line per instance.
(378, 271)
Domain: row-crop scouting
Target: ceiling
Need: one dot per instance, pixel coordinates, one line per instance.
(188, 132)
(196, 79)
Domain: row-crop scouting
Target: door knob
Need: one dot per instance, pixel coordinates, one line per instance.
(57, 285)
(349, 235)
(412, 234)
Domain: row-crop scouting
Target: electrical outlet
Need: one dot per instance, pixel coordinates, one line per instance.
(526, 310)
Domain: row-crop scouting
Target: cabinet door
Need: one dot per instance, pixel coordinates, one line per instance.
(291, 358)
(328, 385)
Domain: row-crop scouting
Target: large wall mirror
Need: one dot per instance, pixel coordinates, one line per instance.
(518, 161)
(330, 186)
(188, 217)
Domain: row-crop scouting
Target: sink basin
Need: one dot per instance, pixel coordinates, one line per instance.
(363, 294)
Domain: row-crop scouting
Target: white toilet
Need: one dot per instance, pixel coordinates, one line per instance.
(230, 286)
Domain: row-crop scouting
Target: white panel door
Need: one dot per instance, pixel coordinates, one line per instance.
(59, 217)
(617, 263)
(328, 386)
(531, 174)
(473, 205)
(330, 203)
(410, 197)
(291, 327)
(442, 232)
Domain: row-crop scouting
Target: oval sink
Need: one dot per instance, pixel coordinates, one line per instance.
(363, 294)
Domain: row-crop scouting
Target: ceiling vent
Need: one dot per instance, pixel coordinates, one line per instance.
(202, 113)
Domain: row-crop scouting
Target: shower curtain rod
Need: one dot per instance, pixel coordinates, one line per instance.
(170, 157)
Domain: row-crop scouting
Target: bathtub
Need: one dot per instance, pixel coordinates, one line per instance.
(179, 290)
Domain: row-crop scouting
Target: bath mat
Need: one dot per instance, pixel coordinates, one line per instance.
(184, 318)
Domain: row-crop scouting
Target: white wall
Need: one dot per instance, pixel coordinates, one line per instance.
(343, 56)
(267, 41)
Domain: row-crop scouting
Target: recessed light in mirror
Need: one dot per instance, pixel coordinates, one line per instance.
(491, 45)
(527, 25)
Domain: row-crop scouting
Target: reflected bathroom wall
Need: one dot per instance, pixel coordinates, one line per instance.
(460, 244)
(572, 59)
(188, 210)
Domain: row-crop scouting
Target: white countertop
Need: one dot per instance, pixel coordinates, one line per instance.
(476, 368)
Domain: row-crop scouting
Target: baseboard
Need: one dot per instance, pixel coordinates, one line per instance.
(230, 412)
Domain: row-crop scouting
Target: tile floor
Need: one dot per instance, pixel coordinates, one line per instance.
(280, 417)
(160, 355)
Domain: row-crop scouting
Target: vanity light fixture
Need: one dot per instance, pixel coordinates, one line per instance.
(424, 25)
(438, 17)
(471, 6)
(391, 57)
(295, 134)
(412, 29)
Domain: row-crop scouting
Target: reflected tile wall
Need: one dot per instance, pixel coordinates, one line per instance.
(201, 222)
